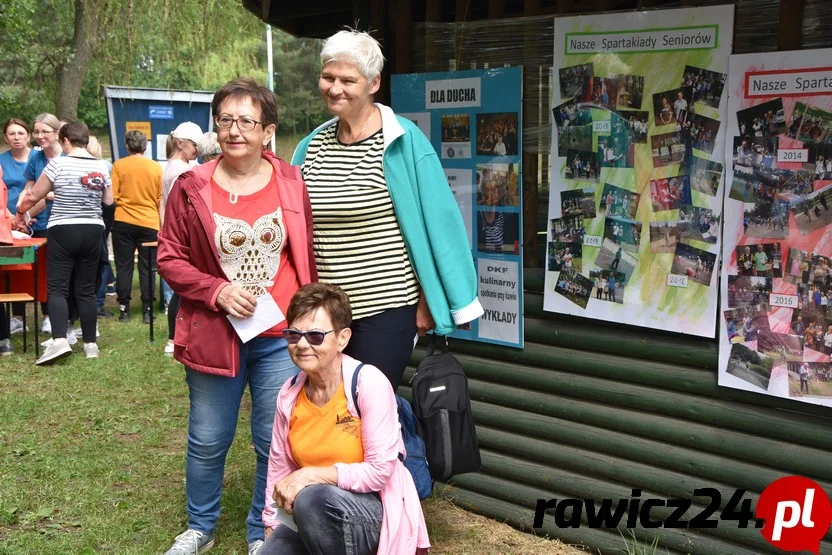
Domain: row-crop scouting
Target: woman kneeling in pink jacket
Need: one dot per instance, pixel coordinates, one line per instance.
(337, 475)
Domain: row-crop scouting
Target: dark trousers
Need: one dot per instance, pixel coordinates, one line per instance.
(5, 333)
(173, 310)
(126, 239)
(73, 255)
(331, 521)
(41, 233)
(385, 340)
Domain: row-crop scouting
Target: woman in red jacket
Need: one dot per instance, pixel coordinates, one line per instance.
(237, 236)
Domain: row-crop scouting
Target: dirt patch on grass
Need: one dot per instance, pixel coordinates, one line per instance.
(459, 532)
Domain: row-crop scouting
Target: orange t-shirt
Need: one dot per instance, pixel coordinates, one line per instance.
(323, 436)
(251, 240)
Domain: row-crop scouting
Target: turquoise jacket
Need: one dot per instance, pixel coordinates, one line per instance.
(429, 219)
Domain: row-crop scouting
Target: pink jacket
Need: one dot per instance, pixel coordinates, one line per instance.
(188, 260)
(403, 529)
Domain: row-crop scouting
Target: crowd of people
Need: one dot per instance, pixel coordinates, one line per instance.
(236, 237)
(497, 134)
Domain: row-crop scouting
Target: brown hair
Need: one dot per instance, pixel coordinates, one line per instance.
(76, 132)
(330, 297)
(16, 121)
(135, 141)
(244, 87)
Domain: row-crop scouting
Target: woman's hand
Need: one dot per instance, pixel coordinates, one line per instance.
(236, 301)
(424, 320)
(287, 489)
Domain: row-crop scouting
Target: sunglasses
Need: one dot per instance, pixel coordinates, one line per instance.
(312, 337)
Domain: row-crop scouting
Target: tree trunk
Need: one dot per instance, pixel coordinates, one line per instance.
(73, 71)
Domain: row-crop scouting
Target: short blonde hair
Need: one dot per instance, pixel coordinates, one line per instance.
(94, 147)
(48, 119)
(355, 47)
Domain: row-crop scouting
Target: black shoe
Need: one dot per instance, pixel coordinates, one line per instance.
(124, 314)
(104, 313)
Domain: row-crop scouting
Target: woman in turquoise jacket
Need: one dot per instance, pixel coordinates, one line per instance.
(387, 227)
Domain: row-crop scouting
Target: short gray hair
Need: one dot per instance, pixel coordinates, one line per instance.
(208, 147)
(355, 47)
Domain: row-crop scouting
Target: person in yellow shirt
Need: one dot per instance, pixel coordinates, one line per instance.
(137, 190)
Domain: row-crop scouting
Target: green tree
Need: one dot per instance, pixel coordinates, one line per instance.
(297, 68)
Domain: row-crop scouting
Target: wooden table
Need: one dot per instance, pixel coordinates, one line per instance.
(22, 273)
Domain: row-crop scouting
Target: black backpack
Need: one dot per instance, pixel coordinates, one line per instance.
(442, 407)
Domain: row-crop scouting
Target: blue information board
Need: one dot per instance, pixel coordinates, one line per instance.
(474, 121)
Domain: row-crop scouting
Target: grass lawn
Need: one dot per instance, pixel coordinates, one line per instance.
(92, 458)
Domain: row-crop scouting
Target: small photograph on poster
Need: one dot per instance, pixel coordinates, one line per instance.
(706, 85)
(814, 124)
(797, 117)
(767, 220)
(497, 185)
(498, 231)
(820, 273)
(749, 185)
(568, 229)
(630, 123)
(670, 193)
(750, 366)
(582, 165)
(574, 286)
(607, 286)
(698, 223)
(461, 183)
(811, 325)
(762, 259)
(763, 120)
(821, 157)
(672, 106)
(572, 113)
(575, 137)
(618, 202)
(596, 90)
(577, 202)
(797, 266)
(626, 90)
(456, 136)
(668, 149)
(702, 131)
(695, 263)
(748, 290)
(497, 134)
(565, 256)
(781, 347)
(420, 119)
(615, 152)
(664, 236)
(812, 211)
(705, 175)
(758, 153)
(810, 379)
(572, 79)
(742, 324)
(614, 258)
(624, 233)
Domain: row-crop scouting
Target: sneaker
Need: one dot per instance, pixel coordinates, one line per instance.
(104, 313)
(78, 332)
(191, 542)
(91, 350)
(169, 348)
(111, 289)
(254, 547)
(59, 348)
(47, 325)
(123, 313)
(16, 326)
(6, 347)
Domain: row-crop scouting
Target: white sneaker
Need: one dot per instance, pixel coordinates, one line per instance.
(70, 338)
(59, 348)
(80, 333)
(191, 542)
(16, 326)
(47, 325)
(169, 349)
(255, 546)
(91, 350)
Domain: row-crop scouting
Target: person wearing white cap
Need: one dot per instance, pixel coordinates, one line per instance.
(137, 189)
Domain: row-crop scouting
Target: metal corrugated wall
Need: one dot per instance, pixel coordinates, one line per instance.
(589, 410)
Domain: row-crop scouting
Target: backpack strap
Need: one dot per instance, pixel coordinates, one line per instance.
(355, 389)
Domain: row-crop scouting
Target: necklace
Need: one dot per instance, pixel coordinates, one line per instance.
(363, 128)
(233, 193)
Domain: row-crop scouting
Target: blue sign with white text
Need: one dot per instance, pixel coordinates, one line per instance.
(159, 112)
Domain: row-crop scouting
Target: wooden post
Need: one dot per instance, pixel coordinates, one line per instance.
(790, 29)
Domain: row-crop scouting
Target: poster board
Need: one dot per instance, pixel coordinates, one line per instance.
(636, 178)
(777, 242)
(473, 119)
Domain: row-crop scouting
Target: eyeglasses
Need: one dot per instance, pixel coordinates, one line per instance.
(243, 124)
(39, 133)
(312, 337)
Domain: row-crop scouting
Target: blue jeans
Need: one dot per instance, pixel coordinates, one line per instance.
(107, 277)
(167, 292)
(212, 423)
(331, 521)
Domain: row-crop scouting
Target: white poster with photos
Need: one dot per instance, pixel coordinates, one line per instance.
(776, 322)
(636, 194)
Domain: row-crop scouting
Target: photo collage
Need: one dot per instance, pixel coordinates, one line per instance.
(599, 126)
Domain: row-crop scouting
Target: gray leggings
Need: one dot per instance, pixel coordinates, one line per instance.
(331, 521)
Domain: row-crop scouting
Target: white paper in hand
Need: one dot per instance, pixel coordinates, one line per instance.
(266, 315)
(286, 519)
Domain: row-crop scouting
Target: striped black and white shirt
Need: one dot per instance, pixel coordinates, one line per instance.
(78, 184)
(357, 240)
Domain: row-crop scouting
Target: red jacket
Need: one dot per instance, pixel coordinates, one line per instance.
(188, 260)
